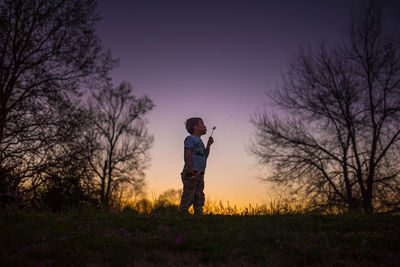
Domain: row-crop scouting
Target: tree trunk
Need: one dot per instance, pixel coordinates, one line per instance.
(103, 181)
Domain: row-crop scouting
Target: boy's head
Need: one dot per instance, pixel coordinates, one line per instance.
(195, 125)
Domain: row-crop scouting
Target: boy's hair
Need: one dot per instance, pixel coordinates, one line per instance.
(190, 123)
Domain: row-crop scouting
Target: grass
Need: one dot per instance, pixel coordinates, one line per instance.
(162, 237)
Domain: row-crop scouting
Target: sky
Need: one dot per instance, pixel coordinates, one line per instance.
(215, 60)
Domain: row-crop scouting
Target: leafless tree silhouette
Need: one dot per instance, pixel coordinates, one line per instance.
(48, 50)
(335, 135)
(121, 138)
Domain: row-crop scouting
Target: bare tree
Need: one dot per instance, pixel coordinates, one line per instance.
(335, 136)
(119, 128)
(47, 49)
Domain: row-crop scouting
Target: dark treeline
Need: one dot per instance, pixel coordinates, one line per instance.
(68, 136)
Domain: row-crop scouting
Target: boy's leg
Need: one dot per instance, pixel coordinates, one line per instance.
(189, 188)
(199, 195)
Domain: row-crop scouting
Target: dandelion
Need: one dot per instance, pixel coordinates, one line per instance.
(178, 239)
(213, 130)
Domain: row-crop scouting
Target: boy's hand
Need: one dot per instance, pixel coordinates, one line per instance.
(210, 141)
(189, 171)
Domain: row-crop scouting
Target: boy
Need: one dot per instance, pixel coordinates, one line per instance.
(195, 156)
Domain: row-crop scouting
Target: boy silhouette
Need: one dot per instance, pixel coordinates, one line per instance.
(195, 156)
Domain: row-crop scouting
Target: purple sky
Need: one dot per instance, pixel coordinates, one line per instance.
(213, 59)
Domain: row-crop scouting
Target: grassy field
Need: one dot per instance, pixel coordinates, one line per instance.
(165, 238)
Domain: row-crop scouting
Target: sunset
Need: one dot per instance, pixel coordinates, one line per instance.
(215, 60)
(199, 133)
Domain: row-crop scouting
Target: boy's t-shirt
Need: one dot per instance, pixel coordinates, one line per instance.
(199, 157)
